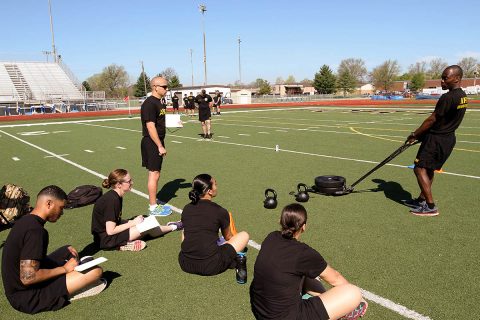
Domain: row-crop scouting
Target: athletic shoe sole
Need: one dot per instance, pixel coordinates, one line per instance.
(425, 214)
(91, 290)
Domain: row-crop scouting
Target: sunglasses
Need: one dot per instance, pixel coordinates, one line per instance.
(164, 87)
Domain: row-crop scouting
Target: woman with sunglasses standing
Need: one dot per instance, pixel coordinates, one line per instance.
(109, 230)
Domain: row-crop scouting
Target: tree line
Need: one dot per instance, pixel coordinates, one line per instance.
(351, 73)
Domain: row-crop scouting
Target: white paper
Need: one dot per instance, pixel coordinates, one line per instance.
(88, 265)
(173, 121)
(148, 223)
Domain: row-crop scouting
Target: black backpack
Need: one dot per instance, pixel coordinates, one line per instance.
(83, 196)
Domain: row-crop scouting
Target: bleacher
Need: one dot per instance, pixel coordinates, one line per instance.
(36, 82)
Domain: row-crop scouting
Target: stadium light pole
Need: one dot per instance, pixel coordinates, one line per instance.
(191, 62)
(54, 51)
(239, 61)
(203, 9)
(144, 79)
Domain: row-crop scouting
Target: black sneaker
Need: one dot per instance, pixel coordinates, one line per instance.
(241, 269)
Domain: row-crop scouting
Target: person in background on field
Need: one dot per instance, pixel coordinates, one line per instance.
(204, 101)
(152, 116)
(437, 134)
(286, 269)
(201, 251)
(175, 103)
(34, 281)
(109, 230)
(185, 104)
(217, 101)
(191, 104)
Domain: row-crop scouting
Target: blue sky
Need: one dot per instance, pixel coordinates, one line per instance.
(279, 38)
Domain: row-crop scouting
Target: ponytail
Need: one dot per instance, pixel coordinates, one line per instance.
(293, 217)
(200, 186)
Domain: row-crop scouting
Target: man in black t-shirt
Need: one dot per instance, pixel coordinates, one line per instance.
(153, 142)
(204, 101)
(437, 134)
(185, 104)
(191, 103)
(175, 103)
(33, 281)
(217, 101)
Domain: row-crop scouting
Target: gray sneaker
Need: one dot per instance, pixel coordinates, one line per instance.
(425, 211)
(414, 203)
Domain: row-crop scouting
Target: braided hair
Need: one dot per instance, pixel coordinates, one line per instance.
(200, 186)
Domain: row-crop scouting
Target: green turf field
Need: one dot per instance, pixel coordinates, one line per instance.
(410, 267)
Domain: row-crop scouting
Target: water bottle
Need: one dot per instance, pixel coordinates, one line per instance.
(241, 268)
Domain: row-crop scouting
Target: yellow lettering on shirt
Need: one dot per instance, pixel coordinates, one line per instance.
(463, 103)
(162, 112)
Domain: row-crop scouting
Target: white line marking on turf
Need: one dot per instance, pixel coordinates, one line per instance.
(371, 296)
(263, 132)
(121, 148)
(281, 130)
(61, 155)
(223, 137)
(284, 150)
(61, 131)
(79, 166)
(244, 134)
(89, 151)
(389, 304)
(15, 159)
(176, 141)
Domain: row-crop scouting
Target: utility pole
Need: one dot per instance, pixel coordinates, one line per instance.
(54, 51)
(191, 62)
(144, 79)
(239, 62)
(203, 9)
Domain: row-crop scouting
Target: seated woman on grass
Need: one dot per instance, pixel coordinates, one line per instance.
(287, 268)
(109, 230)
(202, 219)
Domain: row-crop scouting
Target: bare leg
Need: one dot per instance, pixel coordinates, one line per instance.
(239, 241)
(340, 300)
(153, 177)
(204, 128)
(425, 180)
(313, 287)
(208, 126)
(158, 232)
(79, 280)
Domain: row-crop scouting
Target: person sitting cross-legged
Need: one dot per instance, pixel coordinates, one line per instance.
(34, 281)
(286, 269)
(109, 230)
(202, 252)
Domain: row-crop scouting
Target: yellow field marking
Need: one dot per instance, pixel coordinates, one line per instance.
(381, 138)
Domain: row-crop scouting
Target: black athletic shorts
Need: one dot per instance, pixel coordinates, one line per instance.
(106, 242)
(313, 308)
(175, 107)
(223, 260)
(204, 114)
(151, 159)
(434, 151)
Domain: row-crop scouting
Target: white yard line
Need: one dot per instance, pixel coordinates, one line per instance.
(61, 155)
(402, 310)
(89, 151)
(121, 148)
(15, 158)
(173, 141)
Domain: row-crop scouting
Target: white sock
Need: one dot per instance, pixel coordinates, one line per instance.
(152, 207)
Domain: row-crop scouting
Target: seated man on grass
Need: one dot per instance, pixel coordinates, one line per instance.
(33, 281)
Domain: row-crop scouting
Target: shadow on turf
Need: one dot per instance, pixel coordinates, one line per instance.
(89, 250)
(169, 189)
(110, 276)
(392, 190)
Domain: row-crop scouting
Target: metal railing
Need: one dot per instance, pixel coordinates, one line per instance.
(301, 98)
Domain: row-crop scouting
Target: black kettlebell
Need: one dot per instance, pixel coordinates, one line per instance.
(302, 195)
(270, 202)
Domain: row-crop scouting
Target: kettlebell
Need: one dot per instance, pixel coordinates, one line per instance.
(270, 202)
(302, 195)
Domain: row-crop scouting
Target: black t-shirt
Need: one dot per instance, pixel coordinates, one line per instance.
(191, 101)
(449, 111)
(203, 101)
(185, 101)
(153, 110)
(107, 208)
(279, 268)
(175, 101)
(28, 240)
(217, 100)
(201, 223)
